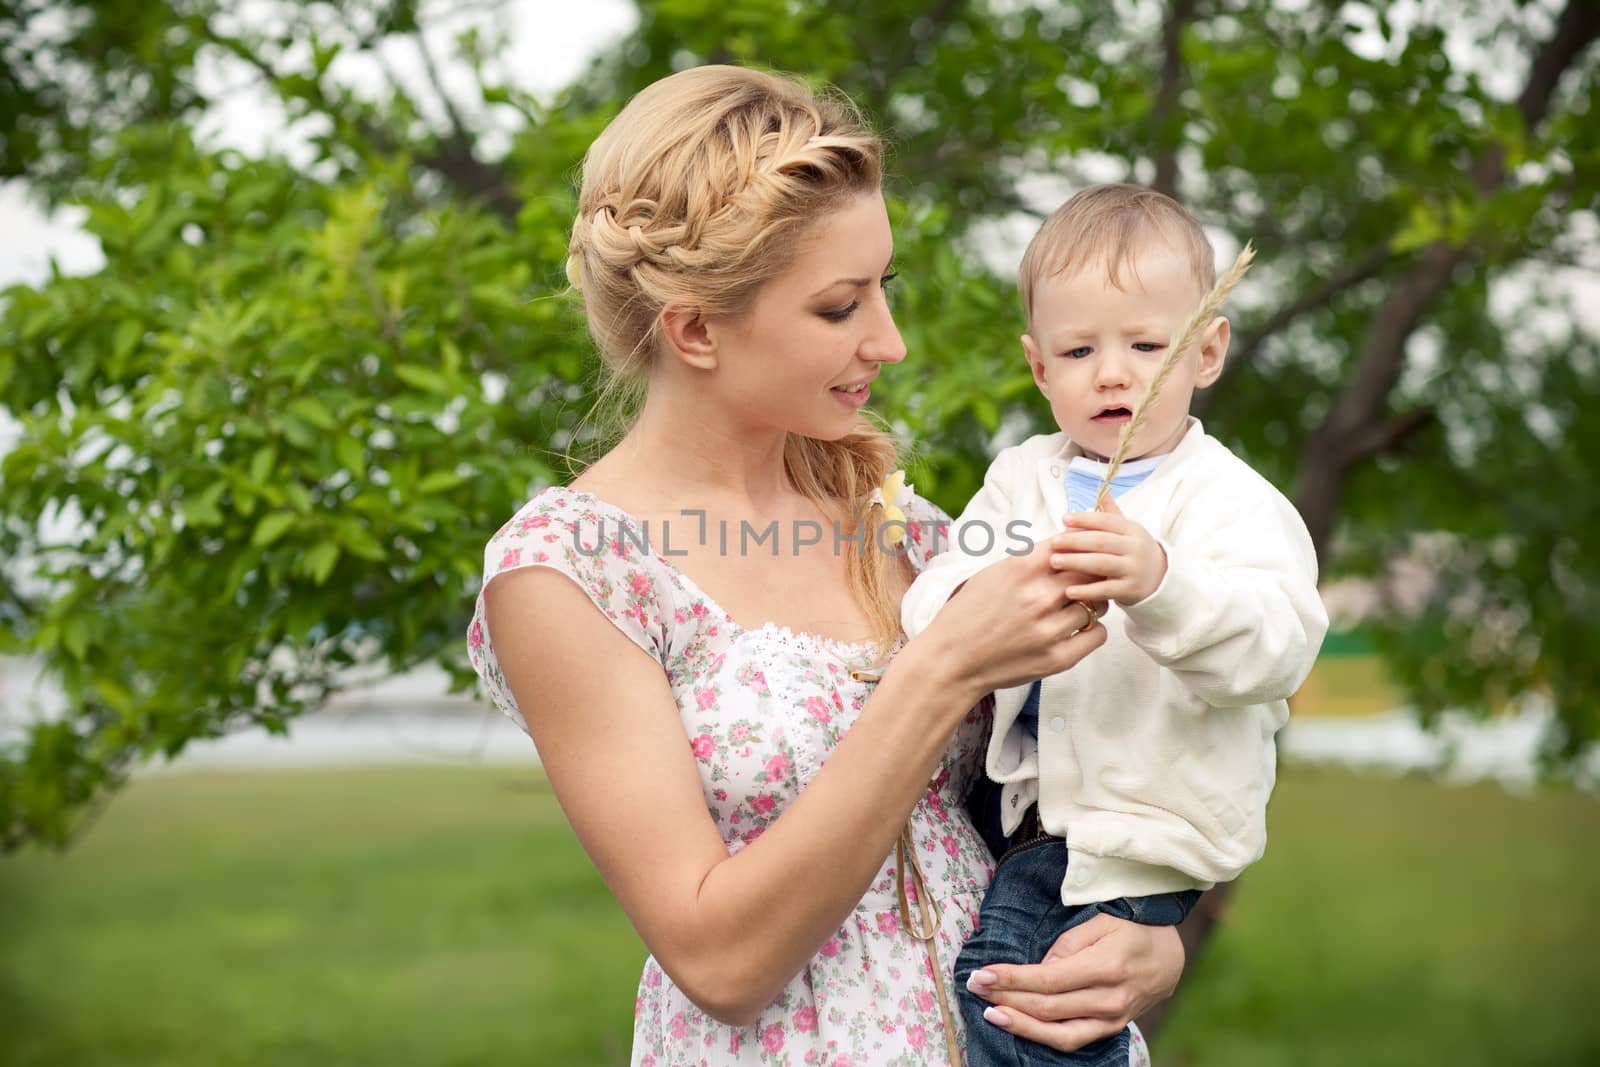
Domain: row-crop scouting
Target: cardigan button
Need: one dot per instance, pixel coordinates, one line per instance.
(1058, 724)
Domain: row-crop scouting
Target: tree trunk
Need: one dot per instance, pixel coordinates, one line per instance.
(1359, 427)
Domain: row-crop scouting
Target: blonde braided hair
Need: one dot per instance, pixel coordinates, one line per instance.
(700, 191)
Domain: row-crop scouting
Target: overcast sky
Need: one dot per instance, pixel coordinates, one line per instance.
(551, 41)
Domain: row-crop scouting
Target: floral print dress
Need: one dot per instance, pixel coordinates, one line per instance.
(761, 711)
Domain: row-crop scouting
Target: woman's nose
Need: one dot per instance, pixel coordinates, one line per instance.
(884, 344)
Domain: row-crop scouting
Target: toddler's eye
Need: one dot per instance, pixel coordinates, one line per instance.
(1148, 346)
(1077, 353)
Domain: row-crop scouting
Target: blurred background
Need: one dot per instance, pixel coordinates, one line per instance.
(281, 346)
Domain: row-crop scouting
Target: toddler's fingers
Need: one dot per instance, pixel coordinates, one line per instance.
(1110, 589)
(1099, 564)
(1087, 541)
(1093, 520)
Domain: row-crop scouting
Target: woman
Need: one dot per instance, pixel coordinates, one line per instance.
(701, 633)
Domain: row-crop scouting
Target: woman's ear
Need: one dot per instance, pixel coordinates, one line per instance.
(1213, 351)
(688, 336)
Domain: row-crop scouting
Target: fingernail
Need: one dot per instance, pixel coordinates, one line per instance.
(980, 982)
(997, 1017)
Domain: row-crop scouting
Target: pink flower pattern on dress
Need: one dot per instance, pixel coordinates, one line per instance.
(762, 709)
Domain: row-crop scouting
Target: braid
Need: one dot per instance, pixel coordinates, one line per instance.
(697, 194)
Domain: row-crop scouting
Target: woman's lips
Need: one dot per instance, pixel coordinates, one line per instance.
(855, 399)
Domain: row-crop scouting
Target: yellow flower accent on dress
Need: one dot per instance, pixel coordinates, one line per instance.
(892, 496)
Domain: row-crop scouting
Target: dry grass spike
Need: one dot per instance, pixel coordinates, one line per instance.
(1184, 339)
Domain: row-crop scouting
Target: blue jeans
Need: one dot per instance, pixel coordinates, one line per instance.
(1021, 917)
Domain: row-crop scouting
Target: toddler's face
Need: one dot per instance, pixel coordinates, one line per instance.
(1094, 349)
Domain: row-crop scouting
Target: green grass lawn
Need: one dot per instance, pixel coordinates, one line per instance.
(446, 916)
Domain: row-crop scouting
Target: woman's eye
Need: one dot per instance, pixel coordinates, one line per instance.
(887, 278)
(840, 314)
(1077, 353)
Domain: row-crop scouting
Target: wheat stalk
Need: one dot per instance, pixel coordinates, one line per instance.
(1185, 337)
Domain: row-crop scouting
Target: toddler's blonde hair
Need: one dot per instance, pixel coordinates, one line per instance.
(1106, 226)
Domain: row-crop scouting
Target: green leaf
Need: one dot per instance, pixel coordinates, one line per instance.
(271, 527)
(300, 433)
(298, 497)
(313, 411)
(359, 542)
(75, 636)
(1422, 228)
(352, 455)
(202, 509)
(425, 378)
(439, 481)
(129, 333)
(318, 563)
(262, 462)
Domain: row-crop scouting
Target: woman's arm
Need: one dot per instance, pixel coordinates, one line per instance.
(732, 930)
(1096, 978)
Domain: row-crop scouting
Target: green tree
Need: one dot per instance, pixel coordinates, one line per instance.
(296, 400)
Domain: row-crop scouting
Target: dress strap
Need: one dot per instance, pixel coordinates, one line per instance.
(926, 931)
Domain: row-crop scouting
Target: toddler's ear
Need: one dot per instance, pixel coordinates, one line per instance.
(1030, 348)
(1213, 351)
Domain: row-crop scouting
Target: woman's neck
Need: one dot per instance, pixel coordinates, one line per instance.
(698, 461)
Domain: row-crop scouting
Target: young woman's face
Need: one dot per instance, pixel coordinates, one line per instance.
(803, 357)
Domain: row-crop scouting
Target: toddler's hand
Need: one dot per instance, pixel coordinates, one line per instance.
(1111, 547)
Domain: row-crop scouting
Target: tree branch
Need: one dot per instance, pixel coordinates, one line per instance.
(887, 72)
(1355, 420)
(459, 131)
(453, 160)
(1248, 341)
(1575, 30)
(1390, 435)
(1179, 14)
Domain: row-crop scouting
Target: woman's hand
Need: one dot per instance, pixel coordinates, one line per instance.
(1014, 622)
(1095, 979)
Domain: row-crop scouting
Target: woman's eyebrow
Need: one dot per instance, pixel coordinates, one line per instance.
(853, 282)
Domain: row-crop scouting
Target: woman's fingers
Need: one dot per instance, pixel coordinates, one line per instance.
(1075, 646)
(1100, 1003)
(1102, 591)
(1065, 1037)
(1086, 969)
(1073, 941)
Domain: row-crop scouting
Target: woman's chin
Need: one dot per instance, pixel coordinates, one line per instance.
(833, 429)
